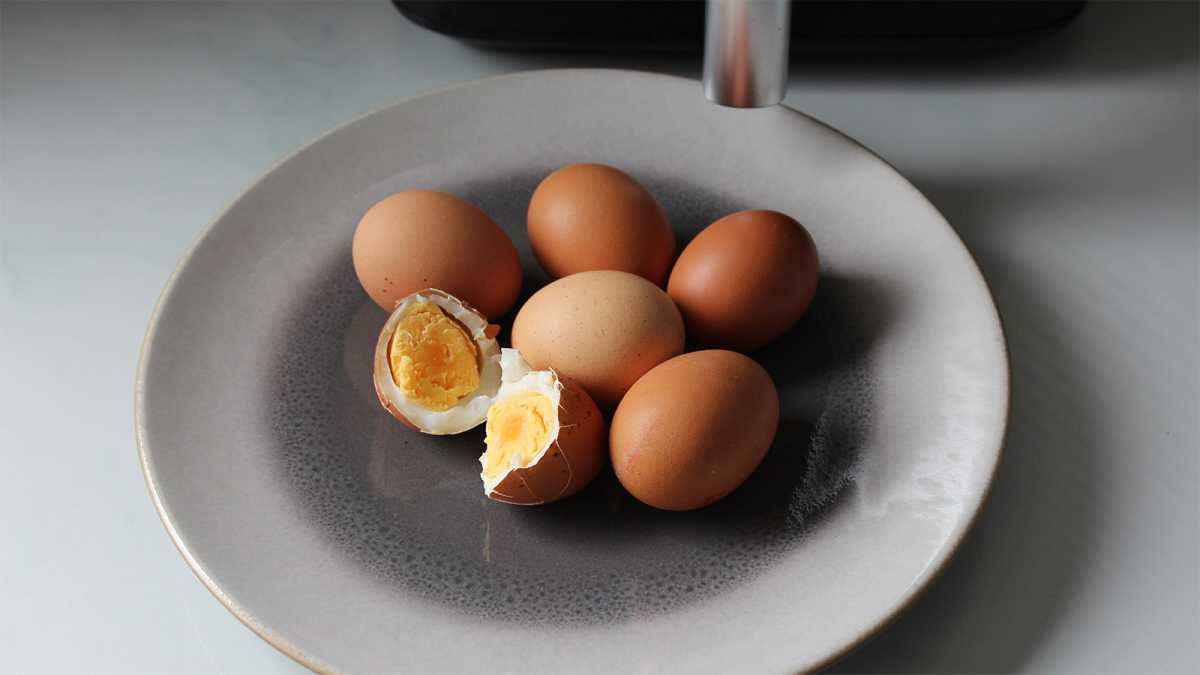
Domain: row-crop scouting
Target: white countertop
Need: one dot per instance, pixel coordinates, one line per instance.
(1069, 167)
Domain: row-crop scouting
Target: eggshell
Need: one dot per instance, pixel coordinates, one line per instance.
(693, 429)
(593, 217)
(603, 329)
(571, 462)
(426, 239)
(745, 279)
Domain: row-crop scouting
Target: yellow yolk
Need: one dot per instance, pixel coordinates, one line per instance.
(517, 426)
(433, 359)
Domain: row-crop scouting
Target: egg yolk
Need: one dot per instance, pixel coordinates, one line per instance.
(517, 426)
(433, 359)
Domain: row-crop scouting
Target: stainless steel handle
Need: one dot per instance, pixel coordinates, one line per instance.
(746, 52)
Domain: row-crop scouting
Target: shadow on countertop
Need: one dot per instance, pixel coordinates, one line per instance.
(1017, 571)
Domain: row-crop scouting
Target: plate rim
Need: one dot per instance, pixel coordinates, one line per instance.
(931, 573)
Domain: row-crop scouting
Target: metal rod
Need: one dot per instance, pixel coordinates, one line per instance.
(746, 52)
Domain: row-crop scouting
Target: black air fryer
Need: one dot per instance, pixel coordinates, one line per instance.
(816, 27)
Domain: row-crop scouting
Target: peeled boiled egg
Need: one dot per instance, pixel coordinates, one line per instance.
(545, 436)
(602, 329)
(437, 363)
(745, 279)
(594, 217)
(427, 239)
(693, 429)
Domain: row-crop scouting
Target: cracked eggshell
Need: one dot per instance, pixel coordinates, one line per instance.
(577, 448)
(468, 413)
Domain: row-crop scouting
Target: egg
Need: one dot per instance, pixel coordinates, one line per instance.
(545, 437)
(693, 429)
(745, 279)
(437, 363)
(587, 217)
(426, 239)
(602, 329)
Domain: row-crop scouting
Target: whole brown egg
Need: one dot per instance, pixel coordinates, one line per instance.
(745, 279)
(587, 217)
(422, 239)
(603, 329)
(693, 429)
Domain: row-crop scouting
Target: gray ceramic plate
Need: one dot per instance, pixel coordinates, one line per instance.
(353, 545)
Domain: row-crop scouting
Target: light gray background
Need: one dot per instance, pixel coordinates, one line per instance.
(1068, 166)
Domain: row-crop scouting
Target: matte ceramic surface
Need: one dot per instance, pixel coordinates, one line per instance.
(354, 545)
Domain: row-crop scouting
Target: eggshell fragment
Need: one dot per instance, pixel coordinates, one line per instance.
(587, 217)
(574, 450)
(603, 329)
(693, 429)
(744, 280)
(426, 239)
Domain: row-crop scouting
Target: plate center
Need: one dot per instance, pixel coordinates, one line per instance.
(410, 507)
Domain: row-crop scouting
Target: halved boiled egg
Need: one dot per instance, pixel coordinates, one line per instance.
(545, 436)
(437, 363)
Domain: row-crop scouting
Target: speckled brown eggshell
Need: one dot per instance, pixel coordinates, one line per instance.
(693, 429)
(594, 217)
(570, 464)
(427, 239)
(745, 279)
(603, 329)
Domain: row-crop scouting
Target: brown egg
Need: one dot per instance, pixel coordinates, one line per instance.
(745, 279)
(587, 217)
(602, 329)
(693, 429)
(545, 437)
(425, 239)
